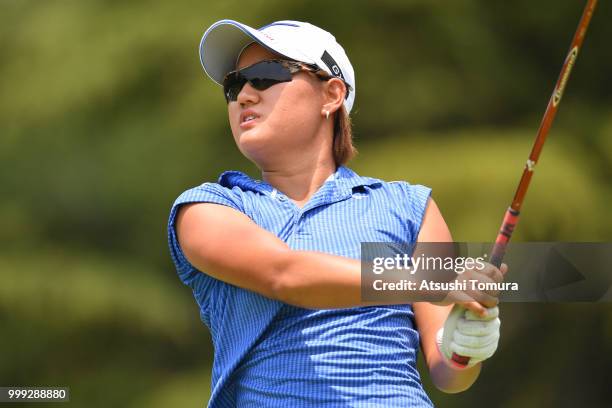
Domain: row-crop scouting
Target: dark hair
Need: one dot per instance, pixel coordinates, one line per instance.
(343, 148)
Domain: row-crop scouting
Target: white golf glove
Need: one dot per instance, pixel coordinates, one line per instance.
(469, 335)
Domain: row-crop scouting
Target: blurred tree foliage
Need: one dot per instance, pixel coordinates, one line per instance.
(106, 116)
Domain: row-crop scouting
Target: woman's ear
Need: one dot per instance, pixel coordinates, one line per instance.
(334, 92)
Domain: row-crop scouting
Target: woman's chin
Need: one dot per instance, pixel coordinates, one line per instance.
(253, 146)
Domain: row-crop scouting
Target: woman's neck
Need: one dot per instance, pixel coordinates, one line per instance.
(300, 181)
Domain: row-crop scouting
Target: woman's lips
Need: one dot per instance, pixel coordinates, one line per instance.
(248, 119)
(247, 124)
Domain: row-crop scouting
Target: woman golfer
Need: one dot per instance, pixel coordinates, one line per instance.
(274, 264)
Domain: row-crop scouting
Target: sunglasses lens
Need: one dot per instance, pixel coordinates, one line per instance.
(232, 85)
(266, 73)
(261, 76)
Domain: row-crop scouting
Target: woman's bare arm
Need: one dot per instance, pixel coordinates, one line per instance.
(430, 318)
(229, 246)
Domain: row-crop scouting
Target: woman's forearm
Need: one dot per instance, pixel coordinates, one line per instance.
(317, 280)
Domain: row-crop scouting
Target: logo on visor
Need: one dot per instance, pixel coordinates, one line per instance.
(332, 64)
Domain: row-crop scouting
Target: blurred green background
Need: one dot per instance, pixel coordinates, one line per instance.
(106, 117)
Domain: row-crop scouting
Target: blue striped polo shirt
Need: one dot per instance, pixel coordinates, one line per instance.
(271, 354)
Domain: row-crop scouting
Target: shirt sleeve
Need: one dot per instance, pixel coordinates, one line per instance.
(416, 199)
(206, 193)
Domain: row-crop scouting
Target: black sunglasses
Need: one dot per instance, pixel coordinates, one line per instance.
(266, 73)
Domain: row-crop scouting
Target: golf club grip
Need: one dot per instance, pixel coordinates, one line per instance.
(497, 256)
(503, 236)
(460, 360)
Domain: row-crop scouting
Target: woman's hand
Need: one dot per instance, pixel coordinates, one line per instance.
(474, 300)
(472, 328)
(469, 335)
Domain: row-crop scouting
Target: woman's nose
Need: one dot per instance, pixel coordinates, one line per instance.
(247, 95)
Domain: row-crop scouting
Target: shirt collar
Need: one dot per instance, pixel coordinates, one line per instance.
(344, 180)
